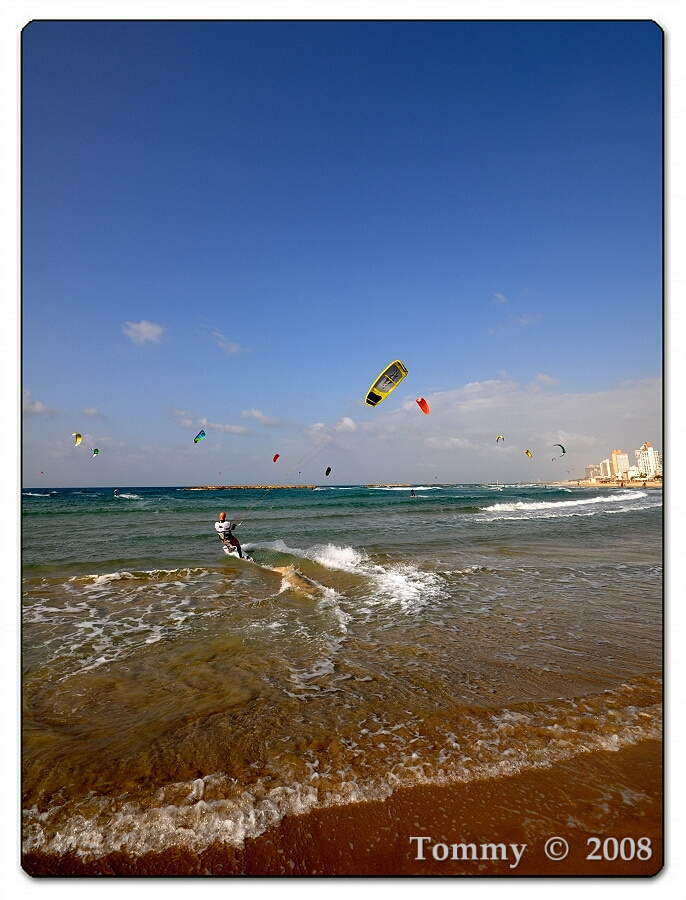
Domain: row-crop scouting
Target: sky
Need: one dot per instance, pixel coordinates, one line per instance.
(235, 226)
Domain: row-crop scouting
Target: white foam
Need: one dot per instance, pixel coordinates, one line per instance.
(382, 756)
(585, 506)
(346, 559)
(115, 613)
(403, 583)
(330, 601)
(179, 815)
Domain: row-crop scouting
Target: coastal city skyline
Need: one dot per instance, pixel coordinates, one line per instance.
(618, 465)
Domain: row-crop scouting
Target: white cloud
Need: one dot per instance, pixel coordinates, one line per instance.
(510, 318)
(528, 413)
(225, 429)
(542, 383)
(319, 432)
(450, 443)
(225, 344)
(143, 332)
(92, 412)
(458, 438)
(184, 418)
(346, 424)
(260, 416)
(526, 319)
(35, 407)
(546, 380)
(482, 390)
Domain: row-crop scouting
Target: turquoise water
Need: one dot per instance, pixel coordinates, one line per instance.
(174, 696)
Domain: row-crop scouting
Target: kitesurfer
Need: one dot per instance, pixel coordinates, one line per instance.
(224, 530)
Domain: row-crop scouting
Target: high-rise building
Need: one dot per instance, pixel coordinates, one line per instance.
(620, 462)
(648, 460)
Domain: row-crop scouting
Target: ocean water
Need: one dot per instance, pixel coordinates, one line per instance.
(177, 697)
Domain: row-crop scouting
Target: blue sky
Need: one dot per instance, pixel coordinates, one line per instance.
(235, 226)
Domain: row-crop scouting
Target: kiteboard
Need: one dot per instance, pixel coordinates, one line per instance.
(230, 550)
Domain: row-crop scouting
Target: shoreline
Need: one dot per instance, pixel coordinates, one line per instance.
(375, 838)
(640, 485)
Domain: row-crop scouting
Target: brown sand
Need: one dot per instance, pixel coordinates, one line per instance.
(602, 794)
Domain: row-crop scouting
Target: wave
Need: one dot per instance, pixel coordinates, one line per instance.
(403, 488)
(367, 765)
(105, 578)
(585, 506)
(402, 583)
(91, 620)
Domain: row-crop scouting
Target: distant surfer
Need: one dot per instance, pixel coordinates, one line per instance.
(224, 529)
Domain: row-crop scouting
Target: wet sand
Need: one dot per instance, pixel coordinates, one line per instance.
(604, 795)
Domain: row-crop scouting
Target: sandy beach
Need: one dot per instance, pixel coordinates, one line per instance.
(376, 838)
(606, 484)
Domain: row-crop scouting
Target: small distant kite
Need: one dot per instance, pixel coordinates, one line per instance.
(199, 436)
(423, 405)
(500, 438)
(529, 453)
(276, 456)
(95, 452)
(77, 438)
(328, 470)
(386, 382)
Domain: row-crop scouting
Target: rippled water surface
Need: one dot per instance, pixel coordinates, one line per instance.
(176, 696)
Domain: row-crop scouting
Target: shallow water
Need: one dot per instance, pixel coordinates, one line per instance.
(174, 696)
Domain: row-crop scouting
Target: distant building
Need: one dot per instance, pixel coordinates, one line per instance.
(648, 466)
(620, 463)
(648, 461)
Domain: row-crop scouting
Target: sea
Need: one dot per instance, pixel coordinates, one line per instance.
(380, 636)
